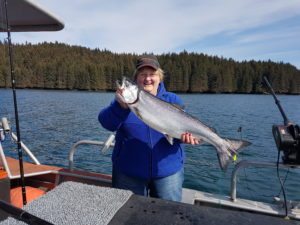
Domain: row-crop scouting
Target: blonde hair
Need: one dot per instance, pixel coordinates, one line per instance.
(159, 71)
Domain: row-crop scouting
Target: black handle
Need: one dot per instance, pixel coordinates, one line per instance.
(22, 215)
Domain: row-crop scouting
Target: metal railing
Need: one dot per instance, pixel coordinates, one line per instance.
(6, 131)
(27, 150)
(24, 147)
(244, 164)
(106, 145)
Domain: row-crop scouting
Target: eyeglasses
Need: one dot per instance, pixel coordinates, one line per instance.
(144, 75)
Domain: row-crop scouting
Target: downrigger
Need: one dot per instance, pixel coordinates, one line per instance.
(287, 136)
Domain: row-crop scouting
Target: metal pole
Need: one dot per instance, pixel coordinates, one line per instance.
(27, 150)
(285, 119)
(13, 84)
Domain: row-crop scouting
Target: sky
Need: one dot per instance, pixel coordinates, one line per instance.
(237, 29)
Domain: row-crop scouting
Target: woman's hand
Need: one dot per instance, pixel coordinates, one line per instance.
(119, 99)
(188, 138)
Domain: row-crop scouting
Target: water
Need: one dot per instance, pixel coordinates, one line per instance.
(52, 121)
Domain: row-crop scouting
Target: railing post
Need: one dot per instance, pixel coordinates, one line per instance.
(106, 144)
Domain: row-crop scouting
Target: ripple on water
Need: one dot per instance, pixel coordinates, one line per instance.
(52, 121)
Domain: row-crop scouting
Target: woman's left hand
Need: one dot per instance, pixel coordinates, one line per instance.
(188, 138)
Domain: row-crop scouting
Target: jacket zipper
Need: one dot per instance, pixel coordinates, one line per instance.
(151, 153)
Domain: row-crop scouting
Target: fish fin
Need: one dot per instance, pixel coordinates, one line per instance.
(224, 159)
(229, 150)
(205, 125)
(181, 107)
(201, 142)
(138, 113)
(213, 129)
(169, 139)
(236, 144)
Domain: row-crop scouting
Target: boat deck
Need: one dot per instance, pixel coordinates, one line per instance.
(52, 176)
(101, 205)
(222, 201)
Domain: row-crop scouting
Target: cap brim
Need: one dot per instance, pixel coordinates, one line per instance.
(147, 65)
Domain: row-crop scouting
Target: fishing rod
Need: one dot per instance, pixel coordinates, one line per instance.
(287, 136)
(287, 139)
(13, 85)
(22, 215)
(285, 119)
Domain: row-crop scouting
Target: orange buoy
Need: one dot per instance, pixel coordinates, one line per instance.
(31, 194)
(3, 174)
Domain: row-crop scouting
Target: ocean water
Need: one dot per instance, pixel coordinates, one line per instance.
(52, 121)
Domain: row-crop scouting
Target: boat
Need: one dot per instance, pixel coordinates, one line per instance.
(35, 193)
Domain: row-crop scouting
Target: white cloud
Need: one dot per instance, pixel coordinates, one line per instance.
(171, 25)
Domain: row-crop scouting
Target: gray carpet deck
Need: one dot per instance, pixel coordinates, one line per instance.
(76, 203)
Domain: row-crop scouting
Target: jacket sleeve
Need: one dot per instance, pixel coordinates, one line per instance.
(112, 116)
(179, 101)
(175, 99)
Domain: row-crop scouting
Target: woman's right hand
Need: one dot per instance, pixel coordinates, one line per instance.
(119, 99)
(188, 138)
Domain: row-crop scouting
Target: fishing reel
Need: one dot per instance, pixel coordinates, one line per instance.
(287, 139)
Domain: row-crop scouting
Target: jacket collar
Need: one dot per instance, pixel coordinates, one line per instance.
(161, 90)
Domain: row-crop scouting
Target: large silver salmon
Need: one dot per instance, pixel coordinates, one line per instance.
(173, 121)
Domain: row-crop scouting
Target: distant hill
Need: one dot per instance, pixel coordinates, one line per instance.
(60, 66)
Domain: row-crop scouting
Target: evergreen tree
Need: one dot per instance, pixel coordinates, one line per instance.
(60, 66)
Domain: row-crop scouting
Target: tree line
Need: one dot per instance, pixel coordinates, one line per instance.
(61, 66)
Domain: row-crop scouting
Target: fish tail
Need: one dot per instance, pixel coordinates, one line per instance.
(228, 150)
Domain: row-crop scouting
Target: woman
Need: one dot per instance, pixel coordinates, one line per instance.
(143, 160)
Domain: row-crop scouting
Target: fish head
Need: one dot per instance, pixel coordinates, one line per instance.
(128, 91)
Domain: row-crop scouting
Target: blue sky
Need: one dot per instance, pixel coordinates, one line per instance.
(237, 29)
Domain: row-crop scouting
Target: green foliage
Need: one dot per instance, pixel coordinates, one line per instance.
(60, 66)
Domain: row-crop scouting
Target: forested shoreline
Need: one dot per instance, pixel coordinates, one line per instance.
(61, 66)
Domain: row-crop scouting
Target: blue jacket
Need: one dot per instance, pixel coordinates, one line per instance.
(141, 151)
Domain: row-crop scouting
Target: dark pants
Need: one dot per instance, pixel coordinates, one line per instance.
(169, 188)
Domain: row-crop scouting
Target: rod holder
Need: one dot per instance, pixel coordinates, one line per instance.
(5, 124)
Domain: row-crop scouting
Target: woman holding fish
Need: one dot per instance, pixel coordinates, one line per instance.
(145, 161)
